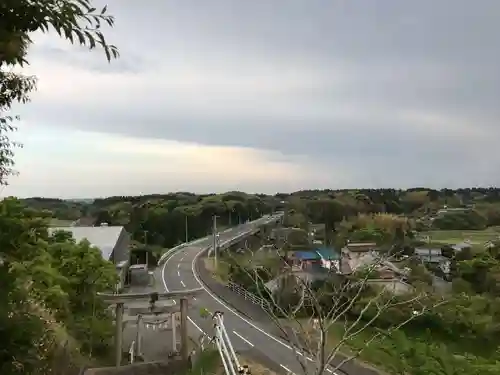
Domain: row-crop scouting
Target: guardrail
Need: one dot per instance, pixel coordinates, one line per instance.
(238, 289)
(171, 251)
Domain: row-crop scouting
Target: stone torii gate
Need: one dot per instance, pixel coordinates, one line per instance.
(121, 299)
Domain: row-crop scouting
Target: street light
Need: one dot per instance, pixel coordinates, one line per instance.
(215, 240)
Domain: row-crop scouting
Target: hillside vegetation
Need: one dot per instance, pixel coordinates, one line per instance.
(161, 219)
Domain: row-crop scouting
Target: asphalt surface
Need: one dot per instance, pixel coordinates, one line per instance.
(178, 272)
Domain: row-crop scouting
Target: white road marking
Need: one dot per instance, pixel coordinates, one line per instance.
(287, 369)
(244, 339)
(229, 308)
(217, 299)
(182, 283)
(178, 274)
(178, 266)
(182, 259)
(196, 326)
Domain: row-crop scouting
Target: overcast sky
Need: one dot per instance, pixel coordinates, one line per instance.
(266, 96)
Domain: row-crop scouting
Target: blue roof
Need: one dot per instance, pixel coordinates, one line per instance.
(306, 255)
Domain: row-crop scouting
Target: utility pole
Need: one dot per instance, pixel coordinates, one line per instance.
(186, 228)
(214, 230)
(146, 246)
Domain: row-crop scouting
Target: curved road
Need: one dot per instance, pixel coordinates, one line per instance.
(178, 272)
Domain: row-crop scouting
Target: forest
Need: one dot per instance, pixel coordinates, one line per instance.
(164, 220)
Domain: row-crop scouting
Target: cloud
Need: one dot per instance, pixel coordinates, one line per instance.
(393, 94)
(64, 165)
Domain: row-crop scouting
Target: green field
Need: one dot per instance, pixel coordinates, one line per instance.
(476, 237)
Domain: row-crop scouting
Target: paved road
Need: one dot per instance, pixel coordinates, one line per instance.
(179, 273)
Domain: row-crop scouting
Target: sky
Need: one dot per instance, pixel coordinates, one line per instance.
(266, 96)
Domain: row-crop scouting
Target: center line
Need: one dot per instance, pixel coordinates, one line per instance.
(178, 273)
(182, 283)
(244, 339)
(178, 266)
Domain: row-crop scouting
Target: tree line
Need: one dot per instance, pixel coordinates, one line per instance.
(166, 220)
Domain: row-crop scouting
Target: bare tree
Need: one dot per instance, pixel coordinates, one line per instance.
(306, 311)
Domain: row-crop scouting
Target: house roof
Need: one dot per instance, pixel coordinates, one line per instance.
(104, 238)
(361, 244)
(306, 255)
(461, 246)
(432, 258)
(427, 251)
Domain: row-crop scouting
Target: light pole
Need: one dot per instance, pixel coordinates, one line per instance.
(215, 240)
(146, 246)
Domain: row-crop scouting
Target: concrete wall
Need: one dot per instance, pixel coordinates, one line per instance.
(121, 250)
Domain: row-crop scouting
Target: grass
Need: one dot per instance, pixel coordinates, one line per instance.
(222, 272)
(476, 237)
(207, 363)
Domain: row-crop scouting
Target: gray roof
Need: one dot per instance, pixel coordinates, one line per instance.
(432, 258)
(424, 251)
(461, 246)
(104, 238)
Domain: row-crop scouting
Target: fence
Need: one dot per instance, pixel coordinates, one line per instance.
(238, 289)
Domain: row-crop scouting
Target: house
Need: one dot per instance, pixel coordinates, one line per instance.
(428, 252)
(490, 244)
(305, 258)
(461, 246)
(323, 256)
(434, 256)
(361, 247)
(112, 241)
(394, 286)
(447, 210)
(385, 273)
